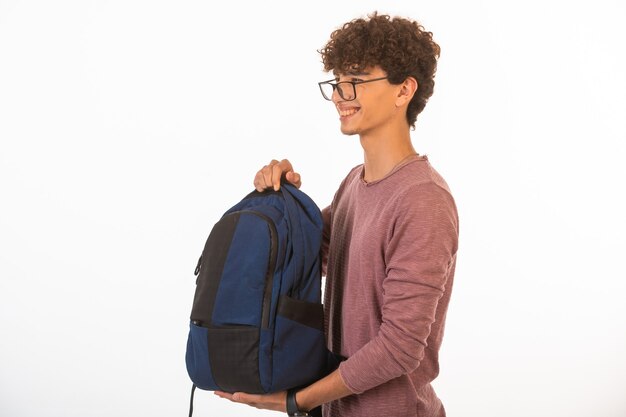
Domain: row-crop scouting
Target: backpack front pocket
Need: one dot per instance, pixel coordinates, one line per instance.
(245, 284)
(234, 358)
(197, 358)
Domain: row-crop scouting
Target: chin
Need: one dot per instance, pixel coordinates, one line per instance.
(349, 132)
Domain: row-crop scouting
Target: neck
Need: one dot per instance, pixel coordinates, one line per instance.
(384, 151)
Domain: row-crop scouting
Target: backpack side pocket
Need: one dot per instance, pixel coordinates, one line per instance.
(300, 355)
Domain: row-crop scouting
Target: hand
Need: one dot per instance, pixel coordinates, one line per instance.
(270, 175)
(276, 401)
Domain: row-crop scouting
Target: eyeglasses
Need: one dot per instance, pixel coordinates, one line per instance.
(346, 89)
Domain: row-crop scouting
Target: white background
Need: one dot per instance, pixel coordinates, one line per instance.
(128, 127)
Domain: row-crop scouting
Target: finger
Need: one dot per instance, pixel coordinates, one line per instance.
(240, 397)
(250, 399)
(225, 395)
(281, 168)
(266, 176)
(294, 178)
(277, 173)
(285, 165)
(272, 182)
(259, 182)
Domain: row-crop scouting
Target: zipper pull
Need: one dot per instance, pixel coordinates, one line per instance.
(197, 271)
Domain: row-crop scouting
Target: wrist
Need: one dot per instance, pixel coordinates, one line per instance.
(293, 406)
(302, 399)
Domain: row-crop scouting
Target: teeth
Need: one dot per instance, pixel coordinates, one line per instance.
(349, 112)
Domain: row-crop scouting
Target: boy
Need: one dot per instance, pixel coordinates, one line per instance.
(391, 232)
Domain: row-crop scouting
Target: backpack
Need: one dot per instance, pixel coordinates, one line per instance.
(257, 319)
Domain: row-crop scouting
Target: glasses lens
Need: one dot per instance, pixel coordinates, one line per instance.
(327, 90)
(346, 90)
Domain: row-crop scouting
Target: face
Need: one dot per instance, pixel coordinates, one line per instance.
(374, 106)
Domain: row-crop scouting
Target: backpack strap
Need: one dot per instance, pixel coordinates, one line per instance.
(193, 389)
(297, 234)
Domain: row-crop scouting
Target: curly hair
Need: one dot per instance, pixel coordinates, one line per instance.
(401, 47)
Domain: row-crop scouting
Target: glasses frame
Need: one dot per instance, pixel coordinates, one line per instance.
(335, 84)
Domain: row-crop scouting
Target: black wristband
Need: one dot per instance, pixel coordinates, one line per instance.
(292, 405)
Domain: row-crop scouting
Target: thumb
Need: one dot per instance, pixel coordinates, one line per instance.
(294, 178)
(242, 397)
(238, 396)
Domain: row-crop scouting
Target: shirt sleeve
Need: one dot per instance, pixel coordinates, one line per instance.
(418, 260)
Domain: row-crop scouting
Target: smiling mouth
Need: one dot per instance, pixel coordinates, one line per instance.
(348, 112)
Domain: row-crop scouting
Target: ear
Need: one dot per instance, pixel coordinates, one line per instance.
(406, 92)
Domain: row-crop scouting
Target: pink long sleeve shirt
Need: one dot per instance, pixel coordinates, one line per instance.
(389, 258)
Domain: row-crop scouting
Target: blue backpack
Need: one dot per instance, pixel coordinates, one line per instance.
(257, 319)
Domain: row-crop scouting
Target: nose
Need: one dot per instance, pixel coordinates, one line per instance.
(336, 97)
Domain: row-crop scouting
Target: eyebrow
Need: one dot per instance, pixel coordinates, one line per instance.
(357, 73)
(353, 73)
